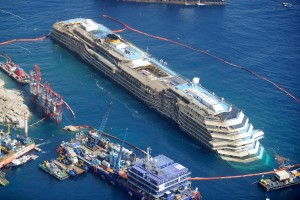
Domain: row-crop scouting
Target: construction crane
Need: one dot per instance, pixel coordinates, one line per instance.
(98, 133)
(104, 120)
(120, 152)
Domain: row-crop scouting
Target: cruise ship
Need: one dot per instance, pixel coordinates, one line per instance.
(207, 118)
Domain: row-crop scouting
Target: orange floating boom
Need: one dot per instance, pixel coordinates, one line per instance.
(24, 40)
(9, 60)
(241, 176)
(69, 108)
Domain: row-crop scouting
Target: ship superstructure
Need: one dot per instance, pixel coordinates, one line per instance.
(207, 118)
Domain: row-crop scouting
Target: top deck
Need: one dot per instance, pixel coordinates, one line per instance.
(205, 97)
(149, 67)
(160, 169)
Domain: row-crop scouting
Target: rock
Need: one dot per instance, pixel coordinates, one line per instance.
(12, 107)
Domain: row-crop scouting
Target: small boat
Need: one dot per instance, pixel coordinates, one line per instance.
(22, 160)
(38, 149)
(286, 4)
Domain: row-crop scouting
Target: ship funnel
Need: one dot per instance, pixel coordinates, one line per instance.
(26, 123)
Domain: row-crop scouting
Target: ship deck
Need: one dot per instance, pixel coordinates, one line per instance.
(154, 72)
(22, 80)
(206, 98)
(273, 185)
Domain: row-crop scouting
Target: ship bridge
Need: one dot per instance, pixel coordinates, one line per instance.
(205, 97)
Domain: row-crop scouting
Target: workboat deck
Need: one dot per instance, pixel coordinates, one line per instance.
(68, 167)
(280, 179)
(20, 79)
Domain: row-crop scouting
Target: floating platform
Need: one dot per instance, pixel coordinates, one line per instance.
(69, 167)
(53, 170)
(280, 179)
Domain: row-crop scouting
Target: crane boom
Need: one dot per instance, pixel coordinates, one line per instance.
(100, 130)
(120, 152)
(104, 119)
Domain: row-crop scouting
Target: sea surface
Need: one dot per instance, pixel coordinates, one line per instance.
(260, 35)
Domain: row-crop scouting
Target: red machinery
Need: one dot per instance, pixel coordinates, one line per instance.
(50, 101)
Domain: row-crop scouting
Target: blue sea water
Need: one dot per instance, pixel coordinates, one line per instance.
(262, 36)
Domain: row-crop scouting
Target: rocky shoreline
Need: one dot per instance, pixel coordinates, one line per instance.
(12, 107)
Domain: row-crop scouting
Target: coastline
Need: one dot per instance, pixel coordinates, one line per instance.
(12, 107)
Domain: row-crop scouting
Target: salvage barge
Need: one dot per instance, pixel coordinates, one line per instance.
(207, 118)
(152, 178)
(281, 179)
(14, 71)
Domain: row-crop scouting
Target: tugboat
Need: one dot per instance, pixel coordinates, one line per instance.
(20, 161)
(54, 170)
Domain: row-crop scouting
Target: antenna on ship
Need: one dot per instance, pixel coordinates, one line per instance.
(148, 154)
(120, 152)
(26, 123)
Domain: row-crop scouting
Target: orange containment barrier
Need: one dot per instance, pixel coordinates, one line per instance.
(204, 52)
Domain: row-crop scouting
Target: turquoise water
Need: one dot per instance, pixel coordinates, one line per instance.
(262, 36)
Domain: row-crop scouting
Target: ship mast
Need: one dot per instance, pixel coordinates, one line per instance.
(26, 123)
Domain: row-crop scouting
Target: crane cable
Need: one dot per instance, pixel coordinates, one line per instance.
(204, 52)
(242, 176)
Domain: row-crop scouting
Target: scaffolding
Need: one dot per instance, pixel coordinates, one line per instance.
(50, 101)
